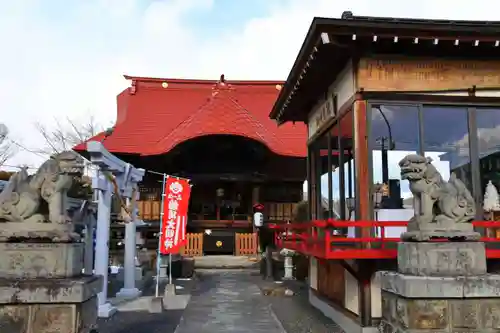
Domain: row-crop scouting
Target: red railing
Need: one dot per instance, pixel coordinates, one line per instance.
(317, 238)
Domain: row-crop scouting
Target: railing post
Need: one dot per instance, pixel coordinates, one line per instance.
(382, 236)
(315, 238)
(327, 244)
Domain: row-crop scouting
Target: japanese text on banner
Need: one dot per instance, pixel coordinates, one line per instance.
(175, 209)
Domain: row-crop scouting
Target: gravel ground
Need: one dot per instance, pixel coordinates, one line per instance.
(295, 312)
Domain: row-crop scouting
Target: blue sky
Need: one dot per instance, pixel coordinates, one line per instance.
(66, 58)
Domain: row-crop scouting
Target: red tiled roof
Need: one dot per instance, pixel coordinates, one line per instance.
(155, 115)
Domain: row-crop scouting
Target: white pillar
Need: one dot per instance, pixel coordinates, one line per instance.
(89, 244)
(129, 290)
(106, 310)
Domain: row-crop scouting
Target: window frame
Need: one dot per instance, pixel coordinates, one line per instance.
(472, 110)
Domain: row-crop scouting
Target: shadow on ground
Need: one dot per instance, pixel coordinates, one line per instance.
(139, 319)
(294, 312)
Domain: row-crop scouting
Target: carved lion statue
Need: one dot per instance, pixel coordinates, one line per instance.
(41, 197)
(438, 204)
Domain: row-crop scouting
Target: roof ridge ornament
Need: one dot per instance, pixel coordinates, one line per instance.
(221, 84)
(347, 15)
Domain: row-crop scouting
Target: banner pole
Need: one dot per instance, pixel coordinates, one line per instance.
(170, 268)
(158, 255)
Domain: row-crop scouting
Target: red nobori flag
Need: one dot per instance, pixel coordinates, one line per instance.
(175, 210)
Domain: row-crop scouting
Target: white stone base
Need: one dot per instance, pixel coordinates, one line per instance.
(106, 310)
(175, 302)
(126, 293)
(345, 322)
(138, 274)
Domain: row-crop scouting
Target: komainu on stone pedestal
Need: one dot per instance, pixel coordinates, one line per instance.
(443, 209)
(440, 286)
(34, 206)
(42, 288)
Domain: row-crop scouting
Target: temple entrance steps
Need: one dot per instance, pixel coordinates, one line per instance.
(226, 262)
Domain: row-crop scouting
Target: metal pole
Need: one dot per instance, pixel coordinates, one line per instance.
(385, 162)
(157, 291)
(269, 263)
(162, 174)
(170, 268)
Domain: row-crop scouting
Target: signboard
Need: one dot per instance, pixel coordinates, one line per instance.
(425, 74)
(174, 219)
(321, 116)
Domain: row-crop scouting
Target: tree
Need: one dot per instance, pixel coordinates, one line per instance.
(491, 199)
(7, 148)
(64, 136)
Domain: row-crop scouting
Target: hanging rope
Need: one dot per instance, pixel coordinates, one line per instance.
(126, 212)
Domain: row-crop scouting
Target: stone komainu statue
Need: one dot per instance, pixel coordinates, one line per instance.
(442, 208)
(41, 197)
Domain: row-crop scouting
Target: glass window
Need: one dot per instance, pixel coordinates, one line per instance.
(394, 133)
(446, 141)
(315, 188)
(488, 133)
(343, 183)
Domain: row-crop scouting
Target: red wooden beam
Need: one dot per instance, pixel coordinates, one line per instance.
(304, 238)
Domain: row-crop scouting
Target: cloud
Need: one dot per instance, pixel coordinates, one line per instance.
(66, 57)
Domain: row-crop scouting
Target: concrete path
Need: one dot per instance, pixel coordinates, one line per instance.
(228, 301)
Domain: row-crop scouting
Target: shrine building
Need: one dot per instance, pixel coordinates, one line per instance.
(218, 134)
(372, 90)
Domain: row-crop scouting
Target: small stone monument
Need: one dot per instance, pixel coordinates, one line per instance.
(288, 263)
(42, 288)
(491, 202)
(441, 284)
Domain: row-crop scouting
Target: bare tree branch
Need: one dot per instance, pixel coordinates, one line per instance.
(7, 149)
(65, 135)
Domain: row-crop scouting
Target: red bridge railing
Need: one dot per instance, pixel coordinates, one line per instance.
(319, 239)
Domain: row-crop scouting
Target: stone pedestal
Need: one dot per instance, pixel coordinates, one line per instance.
(442, 258)
(438, 288)
(41, 260)
(42, 289)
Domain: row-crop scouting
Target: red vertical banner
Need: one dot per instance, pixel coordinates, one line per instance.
(175, 211)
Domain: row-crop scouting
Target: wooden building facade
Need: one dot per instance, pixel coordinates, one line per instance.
(216, 133)
(372, 90)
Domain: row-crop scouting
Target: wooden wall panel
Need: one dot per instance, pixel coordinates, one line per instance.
(331, 280)
(343, 89)
(149, 210)
(424, 74)
(279, 211)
